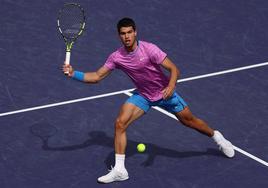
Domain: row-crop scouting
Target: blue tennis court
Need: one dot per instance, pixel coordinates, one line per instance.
(58, 132)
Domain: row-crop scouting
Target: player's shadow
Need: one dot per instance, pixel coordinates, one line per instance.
(100, 138)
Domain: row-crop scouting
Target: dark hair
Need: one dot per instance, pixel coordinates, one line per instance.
(126, 22)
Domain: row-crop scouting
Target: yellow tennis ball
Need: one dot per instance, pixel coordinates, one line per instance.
(141, 147)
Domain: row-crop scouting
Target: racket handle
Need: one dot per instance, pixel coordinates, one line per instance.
(67, 60)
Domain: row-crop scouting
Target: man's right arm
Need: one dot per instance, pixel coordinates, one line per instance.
(89, 77)
(95, 77)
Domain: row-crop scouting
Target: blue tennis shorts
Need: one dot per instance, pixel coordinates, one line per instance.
(173, 104)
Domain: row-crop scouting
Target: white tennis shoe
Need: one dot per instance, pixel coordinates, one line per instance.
(225, 146)
(114, 175)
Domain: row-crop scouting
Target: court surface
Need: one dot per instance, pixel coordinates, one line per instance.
(57, 132)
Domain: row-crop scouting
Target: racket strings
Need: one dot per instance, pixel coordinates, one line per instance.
(71, 21)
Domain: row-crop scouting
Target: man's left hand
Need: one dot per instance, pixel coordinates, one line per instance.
(168, 91)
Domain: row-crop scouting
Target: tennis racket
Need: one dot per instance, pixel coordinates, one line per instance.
(71, 24)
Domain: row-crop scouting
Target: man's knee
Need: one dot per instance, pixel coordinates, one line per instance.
(120, 125)
(187, 120)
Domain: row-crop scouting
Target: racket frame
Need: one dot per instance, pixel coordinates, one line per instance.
(69, 42)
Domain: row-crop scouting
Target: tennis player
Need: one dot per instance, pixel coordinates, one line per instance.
(142, 62)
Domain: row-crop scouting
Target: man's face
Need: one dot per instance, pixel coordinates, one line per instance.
(127, 36)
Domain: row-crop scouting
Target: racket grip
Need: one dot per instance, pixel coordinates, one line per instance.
(67, 60)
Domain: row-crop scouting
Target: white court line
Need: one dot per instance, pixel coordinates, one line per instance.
(235, 147)
(223, 72)
(65, 102)
(251, 156)
(128, 90)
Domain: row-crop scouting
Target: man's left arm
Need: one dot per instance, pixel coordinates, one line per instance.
(174, 76)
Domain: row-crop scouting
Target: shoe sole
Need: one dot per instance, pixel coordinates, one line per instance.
(113, 181)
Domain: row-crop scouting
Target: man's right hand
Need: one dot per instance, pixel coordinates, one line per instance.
(68, 70)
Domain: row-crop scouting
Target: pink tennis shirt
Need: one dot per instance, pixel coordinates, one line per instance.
(143, 67)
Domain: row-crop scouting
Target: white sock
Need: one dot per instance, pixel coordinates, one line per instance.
(119, 162)
(217, 137)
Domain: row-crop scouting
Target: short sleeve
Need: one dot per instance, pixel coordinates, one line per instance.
(156, 54)
(110, 62)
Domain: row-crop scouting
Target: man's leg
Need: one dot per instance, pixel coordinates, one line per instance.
(188, 119)
(128, 113)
